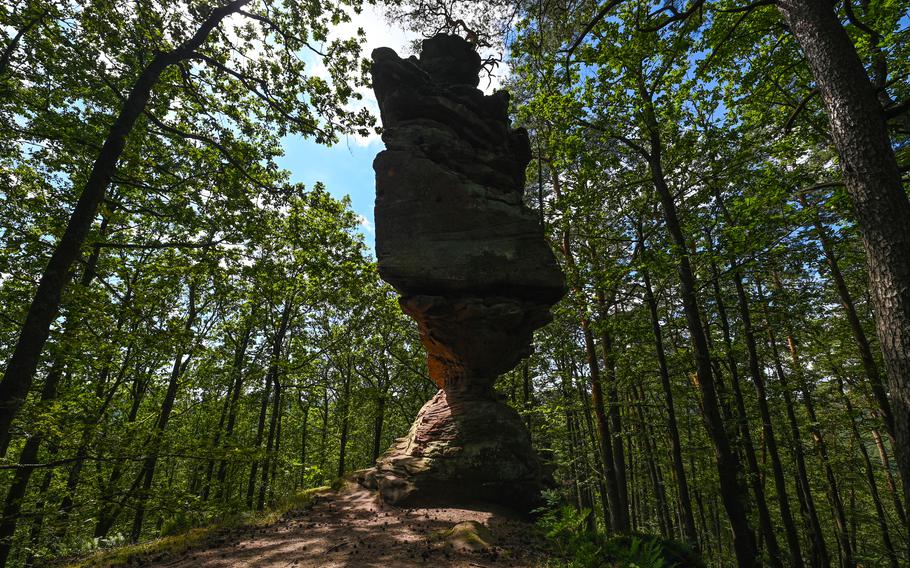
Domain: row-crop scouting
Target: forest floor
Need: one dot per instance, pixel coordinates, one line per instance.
(351, 528)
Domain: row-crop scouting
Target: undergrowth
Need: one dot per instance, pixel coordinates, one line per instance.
(578, 547)
(177, 541)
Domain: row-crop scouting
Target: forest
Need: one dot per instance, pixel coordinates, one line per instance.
(186, 334)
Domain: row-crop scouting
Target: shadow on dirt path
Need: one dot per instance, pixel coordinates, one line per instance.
(353, 529)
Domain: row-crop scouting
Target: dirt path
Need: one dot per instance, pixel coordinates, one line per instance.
(352, 529)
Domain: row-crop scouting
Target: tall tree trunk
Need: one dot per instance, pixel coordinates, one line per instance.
(274, 375)
(591, 436)
(20, 370)
(242, 344)
(663, 514)
(729, 469)
(870, 475)
(618, 514)
(378, 422)
(819, 552)
(682, 486)
(873, 181)
(110, 508)
(886, 466)
(758, 381)
(859, 334)
(345, 407)
(75, 472)
(12, 506)
(755, 474)
(148, 467)
(613, 410)
(304, 431)
(834, 496)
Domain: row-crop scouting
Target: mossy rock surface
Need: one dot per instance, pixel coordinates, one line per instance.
(468, 536)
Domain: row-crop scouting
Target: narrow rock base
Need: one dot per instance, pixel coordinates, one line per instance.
(461, 449)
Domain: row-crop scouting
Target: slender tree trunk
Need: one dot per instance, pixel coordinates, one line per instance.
(657, 482)
(819, 552)
(304, 430)
(870, 476)
(729, 469)
(378, 422)
(72, 480)
(755, 474)
(873, 181)
(34, 535)
(886, 466)
(170, 396)
(110, 509)
(682, 486)
(613, 410)
(15, 496)
(618, 514)
(758, 381)
(592, 438)
(271, 442)
(237, 364)
(859, 334)
(345, 404)
(837, 504)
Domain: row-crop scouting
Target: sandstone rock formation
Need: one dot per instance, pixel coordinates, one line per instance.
(472, 267)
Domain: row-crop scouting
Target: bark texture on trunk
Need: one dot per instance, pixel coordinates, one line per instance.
(873, 181)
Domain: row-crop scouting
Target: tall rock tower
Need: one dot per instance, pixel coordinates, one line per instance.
(473, 268)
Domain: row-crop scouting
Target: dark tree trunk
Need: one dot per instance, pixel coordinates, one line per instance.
(148, 467)
(859, 334)
(819, 552)
(304, 431)
(834, 496)
(729, 469)
(243, 343)
(657, 482)
(870, 477)
(873, 181)
(682, 486)
(618, 514)
(345, 407)
(378, 423)
(597, 449)
(609, 357)
(110, 509)
(758, 381)
(892, 487)
(12, 507)
(274, 374)
(755, 475)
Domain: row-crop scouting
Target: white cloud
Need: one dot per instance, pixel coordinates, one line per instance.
(365, 224)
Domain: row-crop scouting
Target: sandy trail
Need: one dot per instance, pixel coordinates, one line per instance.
(353, 529)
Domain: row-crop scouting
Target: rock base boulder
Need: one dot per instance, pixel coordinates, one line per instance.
(460, 450)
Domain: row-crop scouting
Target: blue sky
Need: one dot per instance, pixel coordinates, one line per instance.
(345, 169)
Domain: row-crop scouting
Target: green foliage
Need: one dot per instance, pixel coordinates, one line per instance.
(580, 547)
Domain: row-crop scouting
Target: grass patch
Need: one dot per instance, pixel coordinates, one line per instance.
(177, 544)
